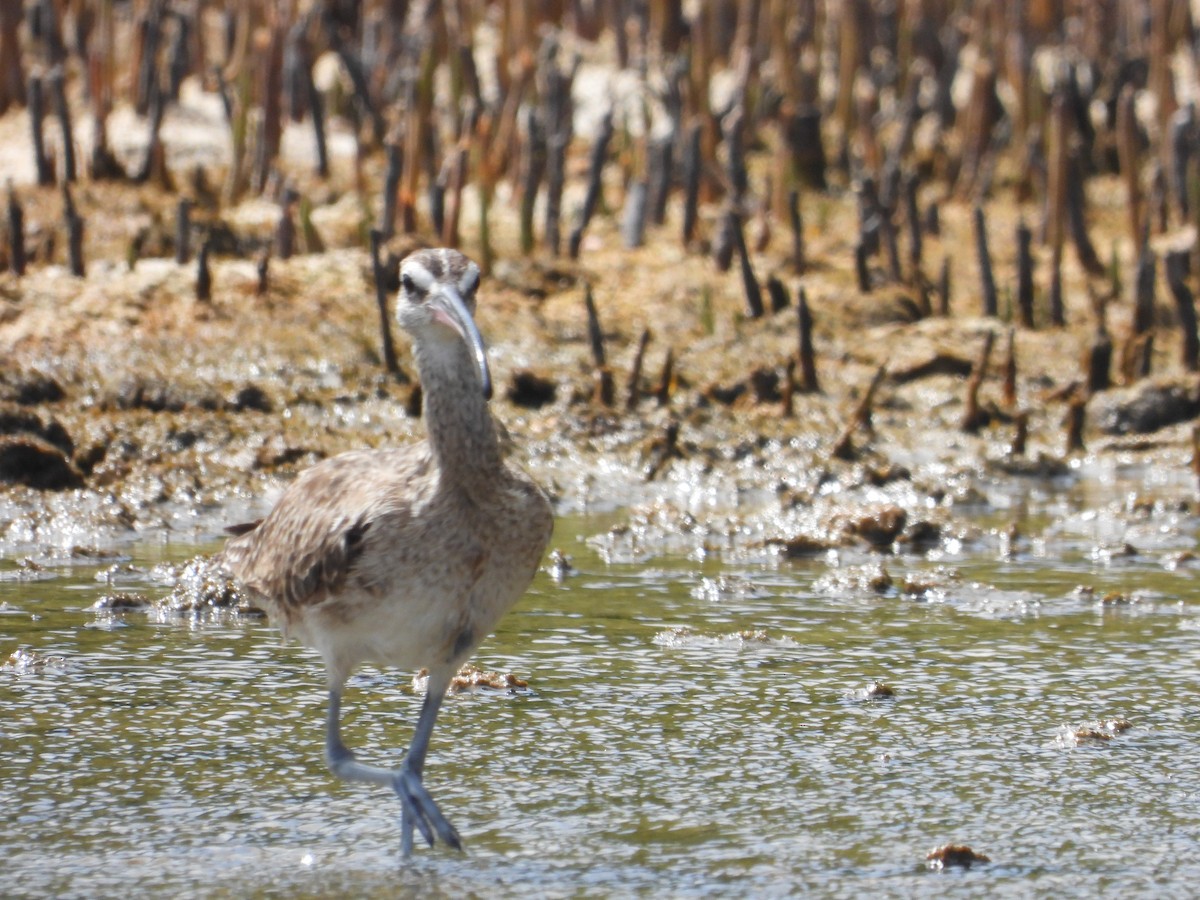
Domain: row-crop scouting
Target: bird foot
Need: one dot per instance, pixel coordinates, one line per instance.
(420, 811)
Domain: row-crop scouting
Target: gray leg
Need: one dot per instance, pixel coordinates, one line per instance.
(418, 808)
(340, 759)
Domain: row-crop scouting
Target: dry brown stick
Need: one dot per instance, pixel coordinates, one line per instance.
(12, 77)
(595, 332)
(558, 112)
(285, 228)
(1143, 299)
(303, 89)
(270, 93)
(1076, 414)
(391, 184)
(183, 230)
(601, 374)
(931, 222)
(986, 278)
(861, 269)
(455, 169)
(1076, 211)
(944, 288)
(1099, 357)
(310, 238)
(797, 222)
(597, 157)
(1020, 435)
(662, 177)
(62, 111)
(1176, 265)
(887, 232)
(778, 294)
(1183, 136)
(692, 165)
(1127, 156)
(806, 356)
(1056, 188)
(973, 417)
(724, 241)
(153, 163)
(1057, 307)
(358, 76)
(16, 232)
(1010, 370)
(633, 221)
(1024, 275)
(37, 112)
(754, 303)
(203, 275)
(843, 447)
(533, 168)
(263, 270)
(633, 392)
(391, 364)
(664, 449)
(789, 389)
(1196, 453)
(179, 62)
(150, 35)
(100, 67)
(665, 381)
(74, 223)
(912, 218)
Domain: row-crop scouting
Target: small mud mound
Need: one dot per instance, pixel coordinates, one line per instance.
(26, 388)
(35, 451)
(121, 602)
(203, 588)
(951, 856)
(530, 390)
(36, 463)
(1099, 731)
(876, 690)
(472, 679)
(1146, 408)
(27, 662)
(18, 420)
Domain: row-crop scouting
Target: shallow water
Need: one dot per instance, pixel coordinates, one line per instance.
(690, 728)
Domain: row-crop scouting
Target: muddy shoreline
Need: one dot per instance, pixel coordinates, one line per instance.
(133, 405)
(151, 411)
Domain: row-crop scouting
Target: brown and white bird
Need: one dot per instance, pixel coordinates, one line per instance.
(405, 557)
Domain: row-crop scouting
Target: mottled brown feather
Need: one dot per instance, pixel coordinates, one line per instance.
(306, 549)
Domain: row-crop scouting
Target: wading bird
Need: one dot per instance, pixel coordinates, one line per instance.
(405, 557)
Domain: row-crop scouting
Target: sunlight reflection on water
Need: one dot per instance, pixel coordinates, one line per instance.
(689, 727)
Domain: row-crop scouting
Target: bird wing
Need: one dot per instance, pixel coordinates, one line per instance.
(307, 547)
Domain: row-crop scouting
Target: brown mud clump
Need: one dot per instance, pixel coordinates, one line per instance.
(953, 856)
(470, 678)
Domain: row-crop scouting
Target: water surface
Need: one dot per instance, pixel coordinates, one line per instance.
(692, 726)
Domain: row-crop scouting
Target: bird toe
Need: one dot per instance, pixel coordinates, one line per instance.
(421, 812)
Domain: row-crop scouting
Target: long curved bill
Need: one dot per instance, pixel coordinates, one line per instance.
(451, 309)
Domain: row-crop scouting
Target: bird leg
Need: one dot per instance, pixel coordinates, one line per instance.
(340, 758)
(418, 808)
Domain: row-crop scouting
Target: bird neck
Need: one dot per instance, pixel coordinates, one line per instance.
(461, 432)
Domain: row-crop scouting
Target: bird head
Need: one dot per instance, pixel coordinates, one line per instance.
(436, 304)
